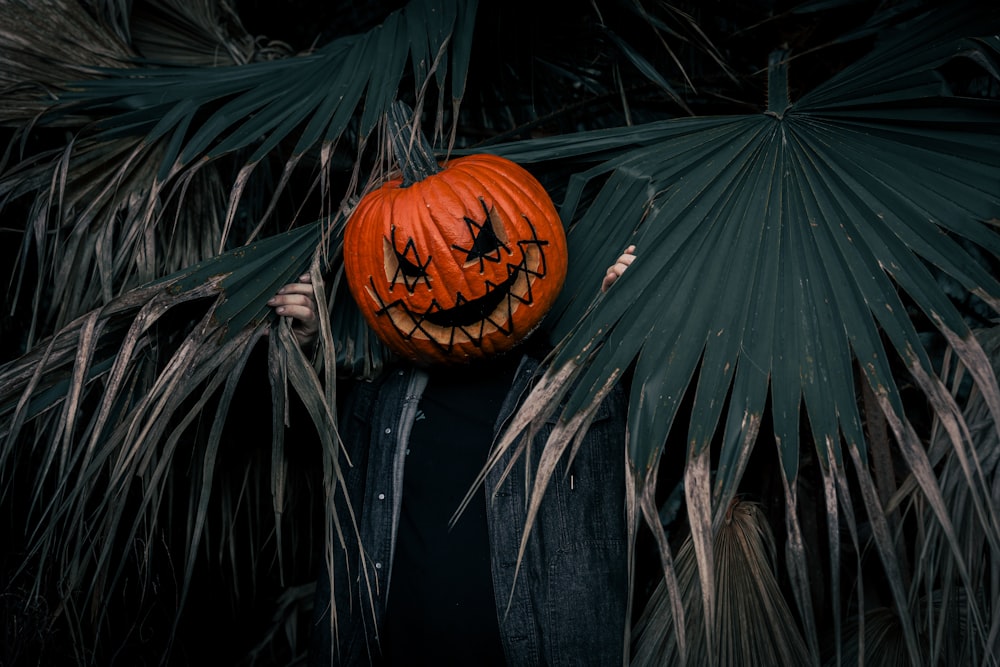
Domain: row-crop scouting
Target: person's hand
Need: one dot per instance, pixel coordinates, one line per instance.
(618, 268)
(298, 302)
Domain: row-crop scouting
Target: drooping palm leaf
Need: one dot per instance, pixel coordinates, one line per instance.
(644, 199)
(959, 627)
(158, 129)
(91, 209)
(115, 397)
(144, 391)
(327, 85)
(772, 253)
(203, 33)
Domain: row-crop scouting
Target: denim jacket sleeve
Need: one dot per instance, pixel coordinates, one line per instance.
(567, 604)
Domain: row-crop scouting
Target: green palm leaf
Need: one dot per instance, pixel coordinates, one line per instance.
(782, 260)
(772, 253)
(247, 102)
(141, 176)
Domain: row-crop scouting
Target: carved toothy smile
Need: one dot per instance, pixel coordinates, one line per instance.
(471, 320)
(467, 313)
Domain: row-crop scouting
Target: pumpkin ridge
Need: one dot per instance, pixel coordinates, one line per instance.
(441, 225)
(489, 174)
(465, 188)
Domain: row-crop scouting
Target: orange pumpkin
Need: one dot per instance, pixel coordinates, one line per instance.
(458, 264)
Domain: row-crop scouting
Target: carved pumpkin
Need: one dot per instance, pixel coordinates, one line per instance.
(455, 265)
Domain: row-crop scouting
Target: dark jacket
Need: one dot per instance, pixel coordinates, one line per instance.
(570, 596)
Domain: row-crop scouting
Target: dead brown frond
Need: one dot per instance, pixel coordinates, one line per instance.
(753, 623)
(121, 415)
(45, 44)
(883, 643)
(959, 565)
(101, 223)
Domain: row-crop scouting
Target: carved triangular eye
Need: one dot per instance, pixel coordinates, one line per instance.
(408, 268)
(488, 238)
(486, 241)
(404, 265)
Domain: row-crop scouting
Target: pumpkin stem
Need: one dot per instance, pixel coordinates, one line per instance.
(415, 158)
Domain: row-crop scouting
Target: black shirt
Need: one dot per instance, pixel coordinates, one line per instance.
(441, 608)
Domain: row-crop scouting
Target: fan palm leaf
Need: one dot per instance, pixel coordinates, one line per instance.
(47, 43)
(161, 130)
(205, 33)
(756, 627)
(773, 250)
(114, 397)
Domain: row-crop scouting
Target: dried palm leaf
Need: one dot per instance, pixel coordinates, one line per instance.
(196, 33)
(146, 391)
(44, 44)
(883, 641)
(754, 625)
(961, 627)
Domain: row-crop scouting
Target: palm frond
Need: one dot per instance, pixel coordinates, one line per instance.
(205, 33)
(755, 626)
(44, 44)
(328, 84)
(146, 394)
(784, 260)
(961, 627)
(123, 189)
(772, 253)
(878, 640)
(103, 413)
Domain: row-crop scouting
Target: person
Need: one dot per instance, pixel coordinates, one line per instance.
(418, 583)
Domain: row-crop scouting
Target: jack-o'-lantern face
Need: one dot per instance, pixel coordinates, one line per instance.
(460, 265)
